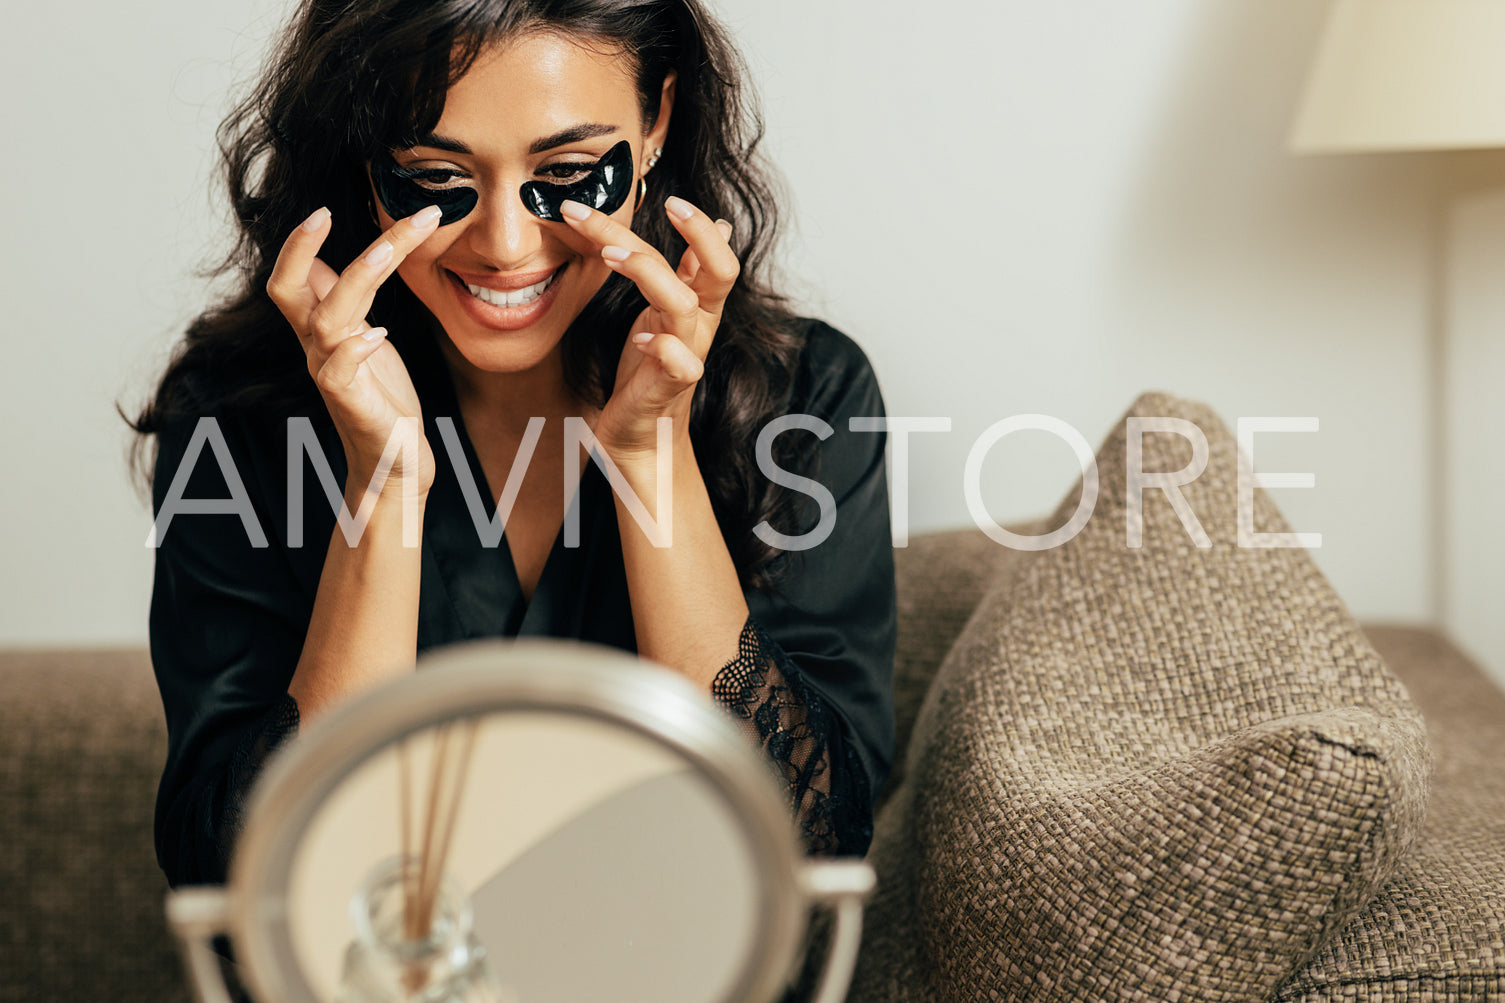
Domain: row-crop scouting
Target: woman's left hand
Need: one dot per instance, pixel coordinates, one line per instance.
(666, 347)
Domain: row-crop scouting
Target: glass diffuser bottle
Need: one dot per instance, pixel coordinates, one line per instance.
(394, 960)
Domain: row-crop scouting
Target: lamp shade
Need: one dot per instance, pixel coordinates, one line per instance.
(1406, 75)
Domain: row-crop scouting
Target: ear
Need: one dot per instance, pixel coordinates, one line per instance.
(660, 131)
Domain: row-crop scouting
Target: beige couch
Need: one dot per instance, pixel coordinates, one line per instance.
(82, 743)
(1420, 918)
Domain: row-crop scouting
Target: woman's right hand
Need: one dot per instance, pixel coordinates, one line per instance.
(361, 377)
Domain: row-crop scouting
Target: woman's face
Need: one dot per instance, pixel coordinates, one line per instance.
(523, 112)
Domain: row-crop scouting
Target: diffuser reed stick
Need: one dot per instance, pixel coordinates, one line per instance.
(447, 828)
(441, 810)
(426, 855)
(405, 813)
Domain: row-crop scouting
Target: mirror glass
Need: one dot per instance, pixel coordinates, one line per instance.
(598, 863)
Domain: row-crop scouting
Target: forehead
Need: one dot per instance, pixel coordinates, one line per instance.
(535, 86)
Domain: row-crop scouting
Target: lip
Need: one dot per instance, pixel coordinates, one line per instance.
(507, 283)
(506, 318)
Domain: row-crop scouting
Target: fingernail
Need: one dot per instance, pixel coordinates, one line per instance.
(375, 333)
(575, 210)
(725, 228)
(642, 337)
(613, 253)
(678, 207)
(315, 221)
(379, 255)
(427, 216)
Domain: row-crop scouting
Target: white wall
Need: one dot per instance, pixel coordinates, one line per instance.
(1475, 420)
(1098, 195)
(1018, 206)
(109, 116)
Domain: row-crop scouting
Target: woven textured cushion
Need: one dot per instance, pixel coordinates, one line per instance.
(941, 577)
(1437, 931)
(1160, 773)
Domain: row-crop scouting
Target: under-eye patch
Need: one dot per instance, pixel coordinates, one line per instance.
(401, 194)
(604, 188)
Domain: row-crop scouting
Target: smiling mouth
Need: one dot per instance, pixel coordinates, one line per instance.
(514, 298)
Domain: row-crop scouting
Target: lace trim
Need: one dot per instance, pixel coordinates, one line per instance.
(275, 727)
(800, 733)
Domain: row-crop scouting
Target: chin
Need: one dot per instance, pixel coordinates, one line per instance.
(514, 352)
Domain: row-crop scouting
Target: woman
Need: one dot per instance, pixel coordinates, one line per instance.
(566, 193)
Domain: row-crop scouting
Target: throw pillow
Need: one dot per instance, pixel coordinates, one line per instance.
(1156, 773)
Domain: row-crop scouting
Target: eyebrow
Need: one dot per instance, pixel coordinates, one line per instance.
(574, 134)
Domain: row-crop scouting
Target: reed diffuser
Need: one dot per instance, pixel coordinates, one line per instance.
(414, 939)
(420, 884)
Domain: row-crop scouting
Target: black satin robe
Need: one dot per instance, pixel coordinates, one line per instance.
(812, 685)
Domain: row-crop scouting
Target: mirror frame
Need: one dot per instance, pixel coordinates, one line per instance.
(498, 675)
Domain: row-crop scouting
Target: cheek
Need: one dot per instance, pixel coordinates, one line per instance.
(415, 277)
(577, 242)
(420, 267)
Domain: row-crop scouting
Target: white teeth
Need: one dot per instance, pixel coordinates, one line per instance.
(518, 297)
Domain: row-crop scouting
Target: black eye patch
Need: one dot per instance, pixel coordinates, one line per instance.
(401, 194)
(604, 188)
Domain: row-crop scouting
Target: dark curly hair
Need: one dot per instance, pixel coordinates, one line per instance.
(352, 78)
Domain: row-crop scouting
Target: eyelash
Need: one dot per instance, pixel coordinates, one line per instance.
(567, 173)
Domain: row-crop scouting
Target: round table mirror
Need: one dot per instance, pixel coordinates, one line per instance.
(521, 821)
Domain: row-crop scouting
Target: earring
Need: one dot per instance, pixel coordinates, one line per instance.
(643, 178)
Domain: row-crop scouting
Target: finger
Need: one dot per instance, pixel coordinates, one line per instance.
(679, 367)
(339, 370)
(605, 231)
(288, 286)
(321, 278)
(708, 238)
(600, 228)
(342, 311)
(689, 265)
(665, 291)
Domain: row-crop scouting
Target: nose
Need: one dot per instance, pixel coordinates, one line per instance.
(503, 232)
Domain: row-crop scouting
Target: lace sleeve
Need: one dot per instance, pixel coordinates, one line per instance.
(275, 727)
(801, 734)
